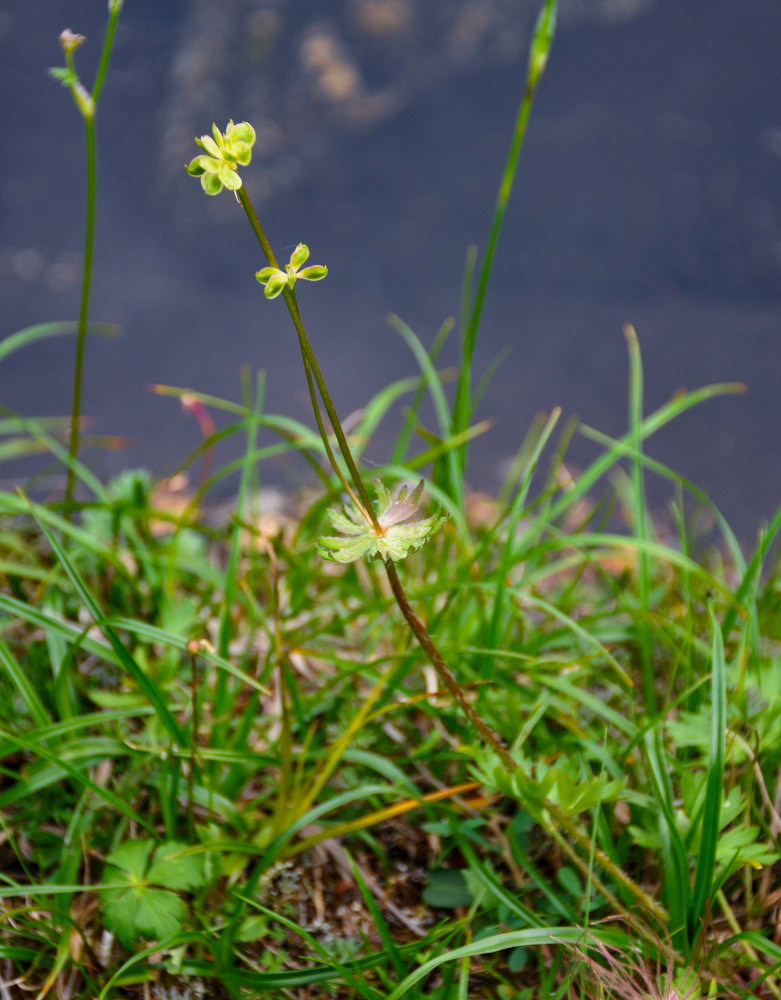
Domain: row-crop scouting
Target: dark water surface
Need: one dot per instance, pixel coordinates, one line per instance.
(649, 192)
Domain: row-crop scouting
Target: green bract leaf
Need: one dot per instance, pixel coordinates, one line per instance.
(66, 76)
(398, 534)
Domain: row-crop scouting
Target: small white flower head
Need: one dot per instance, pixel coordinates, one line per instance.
(398, 533)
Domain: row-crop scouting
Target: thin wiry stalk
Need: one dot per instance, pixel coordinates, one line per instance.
(425, 641)
(88, 111)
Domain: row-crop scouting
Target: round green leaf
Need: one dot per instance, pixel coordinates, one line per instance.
(447, 889)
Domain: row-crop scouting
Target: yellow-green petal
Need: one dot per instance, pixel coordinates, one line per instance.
(315, 273)
(211, 183)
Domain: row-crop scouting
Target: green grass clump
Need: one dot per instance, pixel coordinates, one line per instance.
(538, 759)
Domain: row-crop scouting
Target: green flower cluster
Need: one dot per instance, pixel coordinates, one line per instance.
(275, 279)
(216, 166)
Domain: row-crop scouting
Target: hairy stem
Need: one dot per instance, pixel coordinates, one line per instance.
(427, 644)
(419, 630)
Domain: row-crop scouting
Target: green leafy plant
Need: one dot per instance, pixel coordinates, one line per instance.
(219, 717)
(144, 900)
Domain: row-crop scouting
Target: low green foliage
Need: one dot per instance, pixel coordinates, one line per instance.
(142, 903)
(545, 761)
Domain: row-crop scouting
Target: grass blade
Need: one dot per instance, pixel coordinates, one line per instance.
(120, 650)
(711, 813)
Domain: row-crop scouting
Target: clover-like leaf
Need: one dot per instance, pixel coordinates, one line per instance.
(175, 870)
(398, 534)
(139, 911)
(136, 906)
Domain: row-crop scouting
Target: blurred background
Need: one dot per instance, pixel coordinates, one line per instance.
(649, 191)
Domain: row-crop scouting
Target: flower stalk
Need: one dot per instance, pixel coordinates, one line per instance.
(395, 514)
(86, 103)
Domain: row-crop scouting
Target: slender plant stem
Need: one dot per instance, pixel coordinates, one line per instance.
(87, 107)
(618, 874)
(311, 366)
(86, 283)
(427, 644)
(114, 8)
(312, 370)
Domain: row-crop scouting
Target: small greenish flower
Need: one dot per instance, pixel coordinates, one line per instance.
(275, 279)
(216, 166)
(67, 75)
(398, 535)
